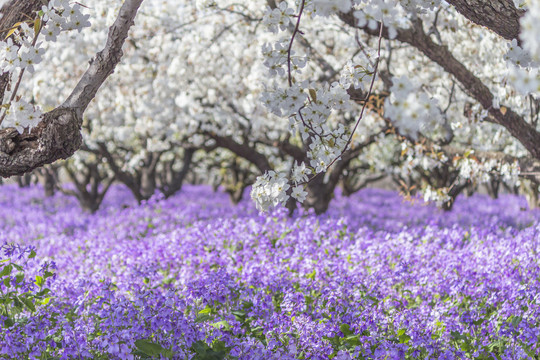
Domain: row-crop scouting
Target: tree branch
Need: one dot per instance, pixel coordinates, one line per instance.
(245, 151)
(513, 122)
(58, 134)
(500, 16)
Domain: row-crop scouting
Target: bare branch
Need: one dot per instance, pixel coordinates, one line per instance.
(243, 150)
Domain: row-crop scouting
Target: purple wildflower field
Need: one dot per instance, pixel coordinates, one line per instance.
(194, 277)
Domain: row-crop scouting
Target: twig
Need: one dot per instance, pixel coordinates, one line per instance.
(16, 88)
(292, 40)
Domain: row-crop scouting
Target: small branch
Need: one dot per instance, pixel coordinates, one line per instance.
(21, 74)
(296, 29)
(370, 91)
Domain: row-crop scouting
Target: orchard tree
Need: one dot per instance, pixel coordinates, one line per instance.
(31, 138)
(134, 128)
(425, 32)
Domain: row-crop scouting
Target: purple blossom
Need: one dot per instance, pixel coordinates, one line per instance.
(373, 278)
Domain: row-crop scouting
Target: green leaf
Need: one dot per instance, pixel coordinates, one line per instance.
(39, 281)
(219, 345)
(7, 282)
(200, 347)
(206, 310)
(6, 271)
(205, 352)
(222, 324)
(149, 348)
(13, 29)
(313, 94)
(29, 304)
(45, 301)
(345, 329)
(8, 323)
(312, 274)
(19, 277)
(353, 340)
(32, 254)
(167, 353)
(403, 337)
(239, 315)
(37, 26)
(204, 315)
(43, 292)
(202, 318)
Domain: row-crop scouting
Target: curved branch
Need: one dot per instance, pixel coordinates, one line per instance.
(441, 55)
(243, 150)
(58, 134)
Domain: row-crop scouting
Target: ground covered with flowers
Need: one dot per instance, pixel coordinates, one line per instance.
(193, 277)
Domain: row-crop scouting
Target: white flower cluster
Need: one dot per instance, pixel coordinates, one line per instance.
(437, 196)
(471, 168)
(416, 156)
(275, 58)
(60, 16)
(21, 115)
(526, 81)
(278, 18)
(518, 56)
(420, 6)
(307, 106)
(23, 56)
(529, 30)
(524, 62)
(411, 109)
(270, 190)
(329, 7)
(369, 13)
(21, 51)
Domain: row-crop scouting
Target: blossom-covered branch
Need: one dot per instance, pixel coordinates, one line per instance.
(58, 136)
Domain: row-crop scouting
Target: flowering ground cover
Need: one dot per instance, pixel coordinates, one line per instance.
(193, 277)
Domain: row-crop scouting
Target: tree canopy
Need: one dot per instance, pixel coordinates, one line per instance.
(292, 97)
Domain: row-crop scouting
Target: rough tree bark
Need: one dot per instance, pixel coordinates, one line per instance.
(58, 134)
(142, 182)
(90, 185)
(500, 16)
(171, 181)
(243, 150)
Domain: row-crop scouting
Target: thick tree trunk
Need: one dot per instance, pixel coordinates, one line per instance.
(172, 180)
(319, 195)
(24, 180)
(492, 188)
(147, 183)
(532, 193)
(49, 183)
